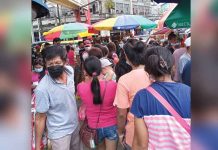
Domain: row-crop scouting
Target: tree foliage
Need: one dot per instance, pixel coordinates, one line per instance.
(109, 4)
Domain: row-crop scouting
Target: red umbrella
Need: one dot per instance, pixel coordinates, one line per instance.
(162, 31)
(165, 15)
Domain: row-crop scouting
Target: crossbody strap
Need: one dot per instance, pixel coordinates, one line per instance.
(102, 103)
(165, 103)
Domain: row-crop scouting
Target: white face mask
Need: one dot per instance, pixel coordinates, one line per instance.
(87, 48)
(85, 55)
(174, 44)
(38, 70)
(121, 45)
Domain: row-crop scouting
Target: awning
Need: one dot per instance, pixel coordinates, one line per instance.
(40, 8)
(165, 15)
(71, 4)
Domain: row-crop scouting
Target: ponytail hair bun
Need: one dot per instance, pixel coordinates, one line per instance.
(158, 61)
(92, 66)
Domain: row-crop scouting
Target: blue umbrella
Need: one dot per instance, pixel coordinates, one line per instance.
(167, 1)
(40, 8)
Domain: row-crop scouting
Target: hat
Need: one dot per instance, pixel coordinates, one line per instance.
(105, 62)
(188, 42)
(87, 43)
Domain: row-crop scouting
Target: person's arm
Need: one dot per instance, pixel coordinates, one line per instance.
(39, 128)
(138, 109)
(140, 141)
(121, 121)
(122, 103)
(42, 106)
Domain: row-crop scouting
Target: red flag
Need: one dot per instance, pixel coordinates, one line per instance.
(88, 14)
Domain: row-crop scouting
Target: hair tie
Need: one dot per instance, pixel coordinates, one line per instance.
(94, 74)
(163, 63)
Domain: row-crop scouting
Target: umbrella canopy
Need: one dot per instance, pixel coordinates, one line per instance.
(66, 31)
(124, 22)
(85, 34)
(167, 1)
(180, 17)
(162, 31)
(165, 15)
(40, 8)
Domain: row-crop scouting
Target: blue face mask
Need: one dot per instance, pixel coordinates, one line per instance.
(38, 70)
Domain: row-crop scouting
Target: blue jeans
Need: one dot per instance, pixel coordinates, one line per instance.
(109, 133)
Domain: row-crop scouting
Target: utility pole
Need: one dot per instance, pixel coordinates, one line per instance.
(131, 8)
(58, 13)
(32, 34)
(39, 28)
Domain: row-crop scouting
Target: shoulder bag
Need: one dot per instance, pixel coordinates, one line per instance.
(165, 103)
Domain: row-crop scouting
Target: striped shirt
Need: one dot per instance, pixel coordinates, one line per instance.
(164, 132)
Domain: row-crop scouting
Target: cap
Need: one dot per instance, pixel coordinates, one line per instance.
(105, 62)
(188, 42)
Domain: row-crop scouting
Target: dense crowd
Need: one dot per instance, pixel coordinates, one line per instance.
(112, 90)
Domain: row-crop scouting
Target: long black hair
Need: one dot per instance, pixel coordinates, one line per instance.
(92, 66)
(158, 61)
(122, 67)
(135, 51)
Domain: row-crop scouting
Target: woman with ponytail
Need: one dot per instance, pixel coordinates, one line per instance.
(156, 125)
(98, 96)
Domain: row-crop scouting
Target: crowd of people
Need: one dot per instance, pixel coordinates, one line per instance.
(107, 86)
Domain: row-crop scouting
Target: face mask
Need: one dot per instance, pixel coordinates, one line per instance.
(85, 55)
(121, 45)
(38, 70)
(174, 44)
(56, 71)
(87, 48)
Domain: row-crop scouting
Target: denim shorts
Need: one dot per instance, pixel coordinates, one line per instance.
(109, 133)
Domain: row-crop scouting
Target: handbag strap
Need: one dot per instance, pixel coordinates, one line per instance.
(165, 103)
(102, 102)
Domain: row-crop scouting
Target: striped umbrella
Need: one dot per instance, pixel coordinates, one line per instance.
(66, 31)
(124, 22)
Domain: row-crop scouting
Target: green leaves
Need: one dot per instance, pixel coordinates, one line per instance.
(109, 4)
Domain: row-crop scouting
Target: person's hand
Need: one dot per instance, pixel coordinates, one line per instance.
(121, 136)
(37, 148)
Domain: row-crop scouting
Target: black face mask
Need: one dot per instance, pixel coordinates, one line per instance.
(56, 71)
